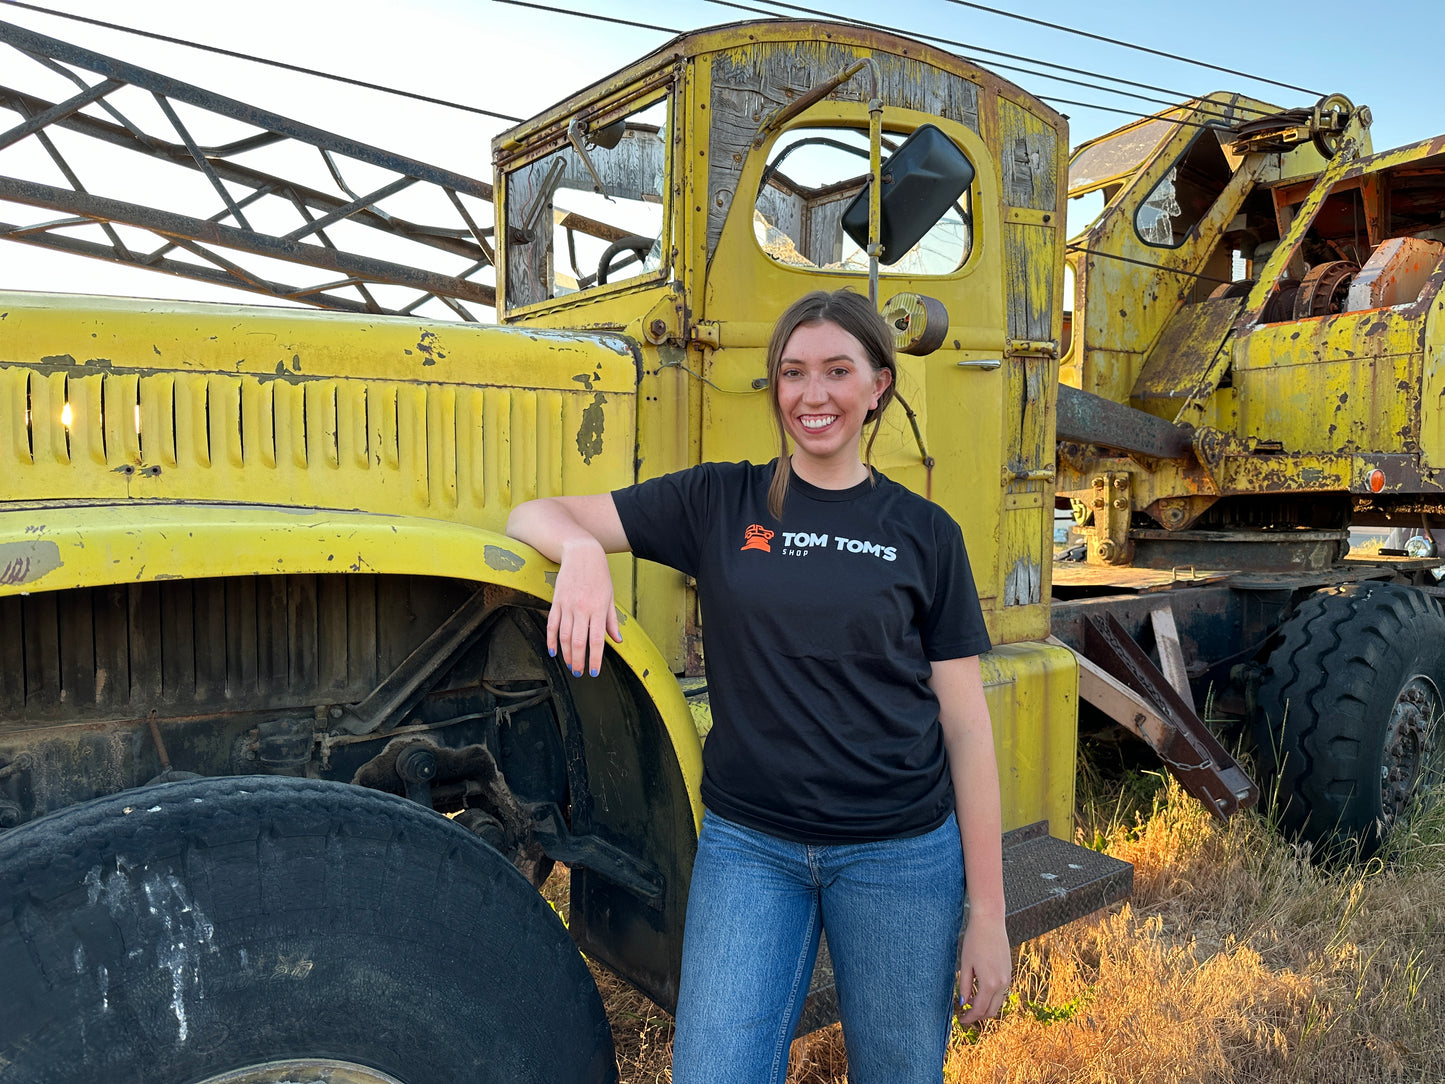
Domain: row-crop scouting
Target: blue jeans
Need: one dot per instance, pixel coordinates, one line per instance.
(892, 911)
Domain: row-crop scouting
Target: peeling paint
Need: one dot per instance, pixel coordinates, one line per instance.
(589, 433)
(1024, 583)
(429, 346)
(26, 562)
(502, 560)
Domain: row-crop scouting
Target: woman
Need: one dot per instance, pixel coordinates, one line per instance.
(851, 751)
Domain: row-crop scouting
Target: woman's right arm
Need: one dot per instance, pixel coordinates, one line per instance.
(577, 533)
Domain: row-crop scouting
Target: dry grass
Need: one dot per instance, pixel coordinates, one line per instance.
(1237, 960)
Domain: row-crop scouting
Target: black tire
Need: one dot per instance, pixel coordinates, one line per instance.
(171, 934)
(1348, 711)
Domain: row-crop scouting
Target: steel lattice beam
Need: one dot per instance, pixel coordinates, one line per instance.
(440, 258)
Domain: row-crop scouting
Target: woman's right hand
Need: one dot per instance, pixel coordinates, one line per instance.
(583, 611)
(578, 533)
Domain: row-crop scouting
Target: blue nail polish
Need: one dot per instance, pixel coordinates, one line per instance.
(552, 651)
(595, 671)
(576, 673)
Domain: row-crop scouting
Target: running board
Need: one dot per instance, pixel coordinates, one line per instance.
(1118, 678)
(1046, 884)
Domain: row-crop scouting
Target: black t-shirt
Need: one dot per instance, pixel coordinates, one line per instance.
(819, 633)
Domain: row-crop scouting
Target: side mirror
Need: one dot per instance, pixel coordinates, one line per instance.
(922, 179)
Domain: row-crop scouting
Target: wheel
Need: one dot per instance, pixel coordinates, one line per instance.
(253, 930)
(635, 243)
(1349, 706)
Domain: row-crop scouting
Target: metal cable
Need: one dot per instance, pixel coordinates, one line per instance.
(1176, 96)
(552, 9)
(1143, 263)
(1132, 45)
(262, 60)
(590, 15)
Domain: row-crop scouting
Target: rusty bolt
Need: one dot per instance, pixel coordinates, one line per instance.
(1107, 550)
(1121, 483)
(1173, 514)
(1098, 502)
(659, 328)
(1098, 483)
(1121, 503)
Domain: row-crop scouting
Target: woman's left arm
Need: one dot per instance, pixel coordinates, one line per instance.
(985, 960)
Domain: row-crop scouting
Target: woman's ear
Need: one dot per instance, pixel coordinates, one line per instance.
(881, 379)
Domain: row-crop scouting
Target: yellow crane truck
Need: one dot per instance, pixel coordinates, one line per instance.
(1254, 368)
(283, 759)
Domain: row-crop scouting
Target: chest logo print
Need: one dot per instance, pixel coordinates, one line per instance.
(757, 537)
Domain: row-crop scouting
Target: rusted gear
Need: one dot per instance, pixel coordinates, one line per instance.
(1323, 290)
(1237, 288)
(1281, 303)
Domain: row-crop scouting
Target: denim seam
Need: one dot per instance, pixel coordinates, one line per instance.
(785, 1036)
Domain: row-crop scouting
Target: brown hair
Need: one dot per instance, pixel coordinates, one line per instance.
(854, 314)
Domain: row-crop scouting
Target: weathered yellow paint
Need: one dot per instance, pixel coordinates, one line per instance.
(76, 545)
(1332, 383)
(194, 402)
(1025, 682)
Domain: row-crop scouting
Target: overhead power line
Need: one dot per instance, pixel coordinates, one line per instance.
(613, 19)
(1131, 45)
(261, 60)
(1207, 109)
(1175, 96)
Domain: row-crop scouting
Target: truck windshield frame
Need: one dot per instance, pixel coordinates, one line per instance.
(610, 207)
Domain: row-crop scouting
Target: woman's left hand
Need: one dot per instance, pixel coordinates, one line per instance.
(985, 963)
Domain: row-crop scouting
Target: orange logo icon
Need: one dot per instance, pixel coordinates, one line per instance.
(756, 537)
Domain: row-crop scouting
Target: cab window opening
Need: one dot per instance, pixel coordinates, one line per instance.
(578, 220)
(811, 176)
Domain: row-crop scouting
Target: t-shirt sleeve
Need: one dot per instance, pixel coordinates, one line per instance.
(665, 519)
(954, 627)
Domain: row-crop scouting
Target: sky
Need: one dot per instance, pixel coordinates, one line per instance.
(518, 61)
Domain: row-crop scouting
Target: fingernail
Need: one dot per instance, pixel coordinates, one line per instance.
(595, 671)
(576, 673)
(552, 651)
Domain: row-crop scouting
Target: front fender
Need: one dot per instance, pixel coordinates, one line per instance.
(57, 548)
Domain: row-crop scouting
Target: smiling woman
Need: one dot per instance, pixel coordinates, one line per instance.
(849, 779)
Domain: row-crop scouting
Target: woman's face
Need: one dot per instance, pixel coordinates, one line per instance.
(826, 387)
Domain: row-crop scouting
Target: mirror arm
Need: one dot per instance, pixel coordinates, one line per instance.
(875, 186)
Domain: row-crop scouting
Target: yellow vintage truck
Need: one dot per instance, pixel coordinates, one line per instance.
(1254, 369)
(283, 759)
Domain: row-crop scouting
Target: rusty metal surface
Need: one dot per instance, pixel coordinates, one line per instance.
(336, 232)
(1190, 750)
(1086, 418)
(1076, 576)
(1187, 363)
(1261, 551)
